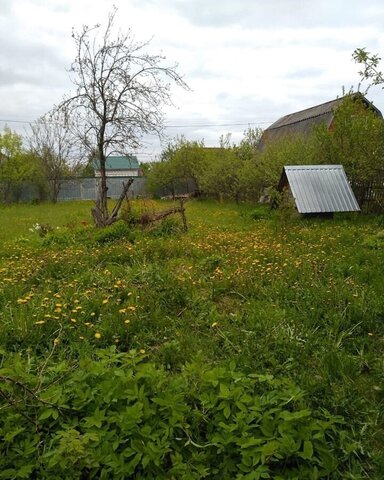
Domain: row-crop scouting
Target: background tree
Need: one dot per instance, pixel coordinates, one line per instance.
(51, 140)
(250, 179)
(120, 92)
(161, 178)
(18, 167)
(357, 142)
(220, 176)
(179, 169)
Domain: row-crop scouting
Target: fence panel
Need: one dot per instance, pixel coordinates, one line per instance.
(370, 196)
(86, 188)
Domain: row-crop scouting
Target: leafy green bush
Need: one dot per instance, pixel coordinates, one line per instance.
(116, 231)
(117, 416)
(167, 227)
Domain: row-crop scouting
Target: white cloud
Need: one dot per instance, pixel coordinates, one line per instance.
(245, 61)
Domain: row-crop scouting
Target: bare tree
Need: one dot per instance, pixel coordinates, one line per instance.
(120, 91)
(51, 140)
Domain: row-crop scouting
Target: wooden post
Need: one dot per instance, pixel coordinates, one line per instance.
(182, 213)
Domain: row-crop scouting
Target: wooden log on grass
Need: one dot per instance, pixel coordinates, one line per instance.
(146, 218)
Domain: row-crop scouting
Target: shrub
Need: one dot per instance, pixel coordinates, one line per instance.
(117, 416)
(116, 231)
(167, 227)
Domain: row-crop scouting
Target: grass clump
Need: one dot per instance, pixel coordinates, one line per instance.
(117, 231)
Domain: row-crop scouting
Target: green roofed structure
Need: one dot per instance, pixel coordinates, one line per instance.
(120, 166)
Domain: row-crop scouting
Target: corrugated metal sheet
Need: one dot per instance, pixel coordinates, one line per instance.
(320, 188)
(119, 162)
(122, 162)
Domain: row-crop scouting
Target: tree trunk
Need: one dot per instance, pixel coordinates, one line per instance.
(104, 219)
(100, 210)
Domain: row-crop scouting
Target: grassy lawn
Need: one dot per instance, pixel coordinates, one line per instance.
(292, 304)
(18, 219)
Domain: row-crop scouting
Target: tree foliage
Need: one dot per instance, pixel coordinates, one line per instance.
(356, 141)
(179, 169)
(17, 167)
(370, 64)
(228, 171)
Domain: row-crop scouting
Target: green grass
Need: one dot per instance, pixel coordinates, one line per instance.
(302, 300)
(18, 219)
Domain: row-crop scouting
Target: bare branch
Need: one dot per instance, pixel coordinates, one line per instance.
(370, 63)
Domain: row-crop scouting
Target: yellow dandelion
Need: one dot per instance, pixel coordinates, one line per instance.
(122, 310)
(40, 322)
(142, 350)
(214, 324)
(105, 301)
(73, 320)
(56, 341)
(127, 321)
(97, 335)
(93, 314)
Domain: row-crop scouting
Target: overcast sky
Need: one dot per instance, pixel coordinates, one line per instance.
(247, 62)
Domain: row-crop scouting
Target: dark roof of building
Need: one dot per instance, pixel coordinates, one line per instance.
(302, 122)
(319, 188)
(121, 162)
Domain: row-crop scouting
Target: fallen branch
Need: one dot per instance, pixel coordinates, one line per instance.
(32, 394)
(146, 218)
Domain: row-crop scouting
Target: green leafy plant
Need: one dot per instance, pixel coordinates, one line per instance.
(117, 416)
(116, 231)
